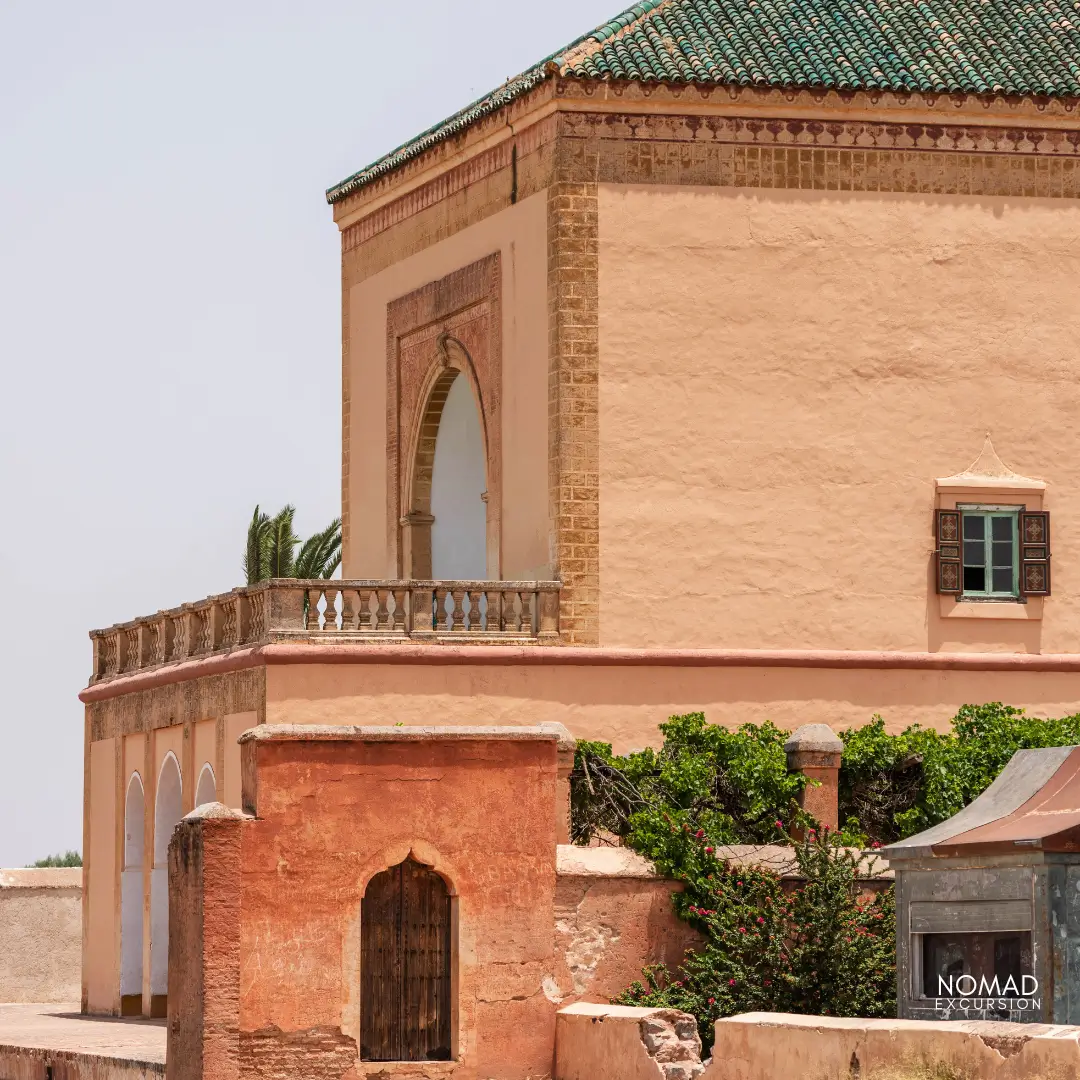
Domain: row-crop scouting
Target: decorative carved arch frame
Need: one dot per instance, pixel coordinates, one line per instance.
(447, 328)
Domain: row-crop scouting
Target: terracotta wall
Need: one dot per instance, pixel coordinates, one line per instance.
(519, 234)
(613, 916)
(783, 375)
(477, 807)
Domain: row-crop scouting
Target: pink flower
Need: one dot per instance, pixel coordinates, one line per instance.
(700, 833)
(712, 1001)
(779, 824)
(708, 851)
(731, 982)
(760, 920)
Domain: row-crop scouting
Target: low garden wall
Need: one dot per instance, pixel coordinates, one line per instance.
(40, 935)
(598, 1042)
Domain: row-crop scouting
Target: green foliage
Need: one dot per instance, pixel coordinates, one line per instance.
(823, 947)
(732, 784)
(68, 858)
(892, 786)
(271, 548)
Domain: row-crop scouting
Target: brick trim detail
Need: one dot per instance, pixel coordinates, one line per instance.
(573, 407)
(449, 326)
(815, 155)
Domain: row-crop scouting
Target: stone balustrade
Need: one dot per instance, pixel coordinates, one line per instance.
(286, 609)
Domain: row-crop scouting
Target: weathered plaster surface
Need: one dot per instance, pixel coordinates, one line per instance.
(40, 934)
(616, 1042)
(329, 813)
(762, 1046)
(783, 375)
(37, 1041)
(613, 915)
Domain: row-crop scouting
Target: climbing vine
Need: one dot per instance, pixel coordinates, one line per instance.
(822, 945)
(821, 938)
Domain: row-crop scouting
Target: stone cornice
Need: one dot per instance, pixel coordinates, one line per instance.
(567, 95)
(287, 653)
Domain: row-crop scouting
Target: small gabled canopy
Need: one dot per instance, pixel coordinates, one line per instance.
(1033, 805)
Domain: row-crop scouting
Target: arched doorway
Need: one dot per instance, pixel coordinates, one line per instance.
(459, 526)
(405, 958)
(131, 899)
(206, 789)
(168, 809)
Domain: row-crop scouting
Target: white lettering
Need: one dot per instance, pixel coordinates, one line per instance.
(1009, 982)
(1034, 987)
(971, 989)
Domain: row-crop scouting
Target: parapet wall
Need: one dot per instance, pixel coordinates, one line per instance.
(40, 935)
(595, 1042)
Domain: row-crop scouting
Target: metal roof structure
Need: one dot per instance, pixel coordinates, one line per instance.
(1033, 805)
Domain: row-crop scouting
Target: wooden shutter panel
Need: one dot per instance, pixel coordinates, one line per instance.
(1034, 553)
(949, 573)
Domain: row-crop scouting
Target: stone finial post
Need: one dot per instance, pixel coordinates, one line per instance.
(814, 750)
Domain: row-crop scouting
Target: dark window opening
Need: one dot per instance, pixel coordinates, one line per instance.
(985, 957)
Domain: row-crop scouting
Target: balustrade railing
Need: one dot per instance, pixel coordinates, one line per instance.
(285, 609)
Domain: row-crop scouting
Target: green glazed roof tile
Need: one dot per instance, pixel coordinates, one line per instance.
(1005, 47)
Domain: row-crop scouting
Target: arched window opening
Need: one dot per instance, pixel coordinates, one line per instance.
(167, 812)
(405, 955)
(458, 483)
(206, 789)
(131, 900)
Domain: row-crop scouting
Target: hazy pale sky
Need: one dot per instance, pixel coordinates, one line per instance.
(169, 305)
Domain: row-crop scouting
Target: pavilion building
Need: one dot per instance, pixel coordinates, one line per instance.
(668, 369)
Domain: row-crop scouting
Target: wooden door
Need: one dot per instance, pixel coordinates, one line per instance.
(405, 966)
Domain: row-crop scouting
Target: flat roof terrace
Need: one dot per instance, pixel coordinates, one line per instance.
(34, 1039)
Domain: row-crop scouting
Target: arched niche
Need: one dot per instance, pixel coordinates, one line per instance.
(131, 899)
(447, 329)
(406, 957)
(448, 531)
(168, 809)
(206, 789)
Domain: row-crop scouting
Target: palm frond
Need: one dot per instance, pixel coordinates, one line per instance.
(255, 557)
(320, 555)
(281, 544)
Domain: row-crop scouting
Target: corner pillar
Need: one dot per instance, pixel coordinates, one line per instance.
(204, 946)
(815, 751)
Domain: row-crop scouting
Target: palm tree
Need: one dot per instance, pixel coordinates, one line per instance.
(271, 548)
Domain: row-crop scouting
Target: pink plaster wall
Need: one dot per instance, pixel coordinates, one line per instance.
(783, 375)
(102, 894)
(519, 233)
(624, 704)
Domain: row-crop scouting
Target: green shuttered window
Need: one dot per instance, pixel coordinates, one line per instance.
(993, 552)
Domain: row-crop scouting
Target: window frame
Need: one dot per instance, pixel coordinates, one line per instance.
(988, 511)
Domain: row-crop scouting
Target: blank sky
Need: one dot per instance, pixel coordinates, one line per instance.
(169, 305)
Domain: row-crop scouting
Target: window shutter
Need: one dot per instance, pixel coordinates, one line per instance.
(1034, 553)
(948, 552)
